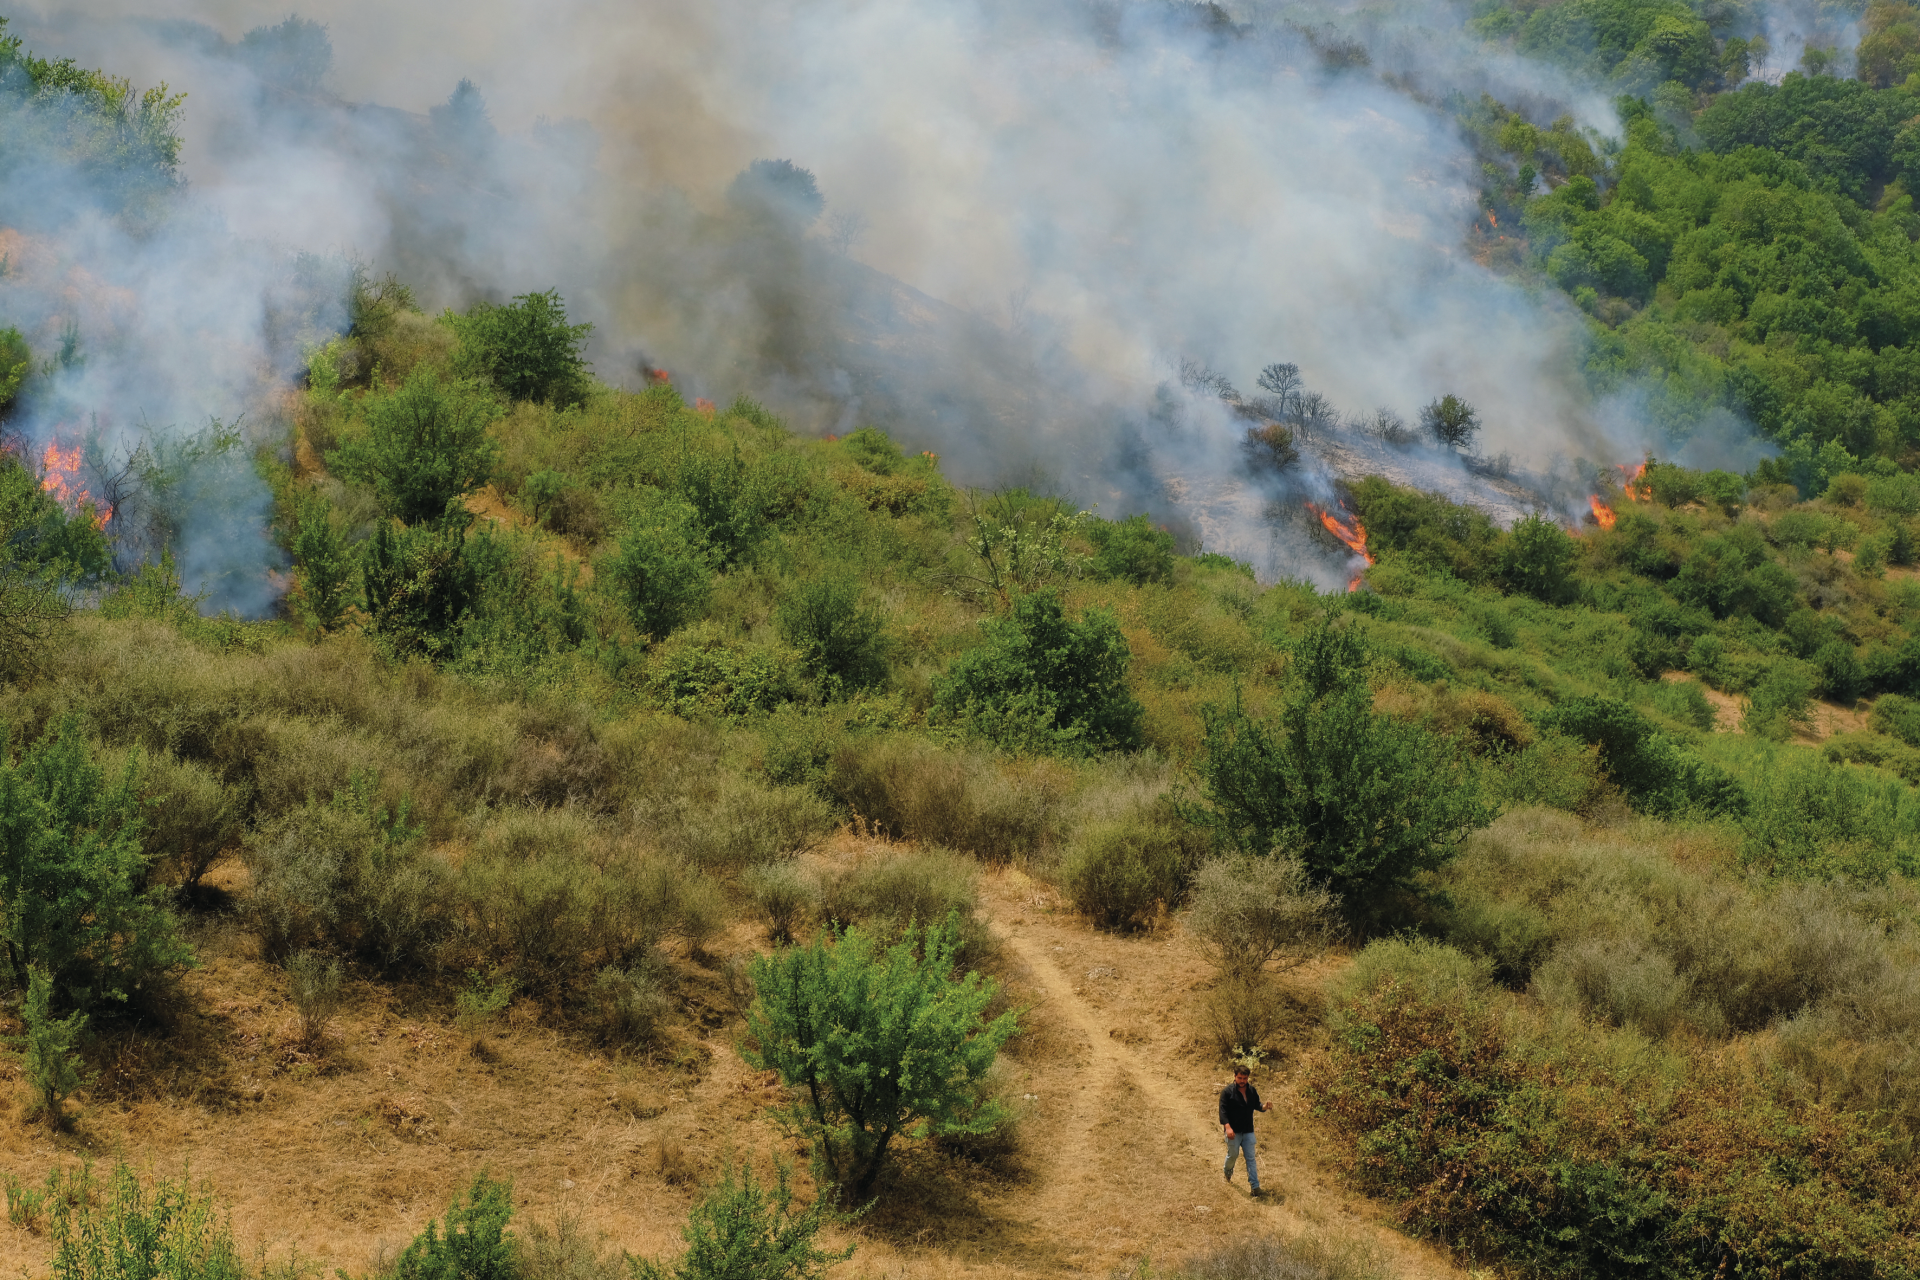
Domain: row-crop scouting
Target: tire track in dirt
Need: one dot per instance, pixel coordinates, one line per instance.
(1131, 1124)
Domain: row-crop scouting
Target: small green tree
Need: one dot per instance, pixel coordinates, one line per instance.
(841, 640)
(1451, 421)
(739, 1231)
(663, 570)
(476, 1244)
(875, 1045)
(720, 489)
(49, 1048)
(526, 348)
(16, 362)
(73, 876)
(426, 447)
(1042, 682)
(1132, 549)
(32, 604)
(1366, 800)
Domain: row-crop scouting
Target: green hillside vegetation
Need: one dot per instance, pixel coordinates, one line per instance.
(571, 678)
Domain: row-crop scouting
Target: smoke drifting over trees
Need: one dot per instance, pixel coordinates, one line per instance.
(828, 206)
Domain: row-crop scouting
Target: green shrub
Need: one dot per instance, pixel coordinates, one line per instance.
(1685, 701)
(191, 819)
(48, 1048)
(1816, 819)
(1042, 683)
(700, 672)
(1778, 704)
(912, 789)
(1535, 558)
(525, 348)
(840, 642)
(740, 1231)
(347, 875)
(1132, 550)
(874, 450)
(874, 1045)
(564, 505)
(628, 1007)
(427, 446)
(476, 1244)
(16, 363)
(1248, 912)
(663, 569)
(1120, 872)
(1657, 774)
(73, 876)
(1898, 716)
(1366, 800)
(726, 503)
(326, 563)
(170, 1233)
(1839, 673)
(422, 584)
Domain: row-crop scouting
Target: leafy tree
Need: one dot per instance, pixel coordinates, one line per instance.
(294, 54)
(726, 506)
(73, 877)
(1133, 550)
(48, 1047)
(663, 569)
(1043, 682)
(779, 192)
(427, 445)
(525, 348)
(875, 1045)
(738, 1231)
(1535, 558)
(1451, 421)
(1365, 800)
(476, 1244)
(840, 640)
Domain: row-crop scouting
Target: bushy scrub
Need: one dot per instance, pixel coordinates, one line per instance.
(740, 1229)
(701, 672)
(1041, 682)
(1816, 818)
(422, 584)
(475, 1244)
(1249, 912)
(889, 895)
(1120, 872)
(840, 639)
(912, 789)
(1133, 550)
(1657, 774)
(124, 1231)
(1536, 558)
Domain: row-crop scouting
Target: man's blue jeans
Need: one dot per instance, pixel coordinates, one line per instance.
(1235, 1145)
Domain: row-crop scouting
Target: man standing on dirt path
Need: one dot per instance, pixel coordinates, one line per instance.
(1238, 1102)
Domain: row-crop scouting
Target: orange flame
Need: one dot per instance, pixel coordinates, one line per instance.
(59, 476)
(660, 376)
(1601, 511)
(1351, 533)
(703, 406)
(1490, 218)
(1629, 485)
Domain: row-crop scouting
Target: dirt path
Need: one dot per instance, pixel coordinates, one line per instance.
(1127, 1147)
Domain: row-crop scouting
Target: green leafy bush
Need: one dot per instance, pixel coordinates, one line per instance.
(841, 642)
(525, 348)
(699, 672)
(1778, 704)
(907, 1040)
(1248, 912)
(16, 363)
(1816, 819)
(73, 876)
(427, 445)
(742, 1231)
(1042, 683)
(48, 1048)
(421, 584)
(1535, 558)
(1657, 774)
(325, 561)
(476, 1244)
(727, 505)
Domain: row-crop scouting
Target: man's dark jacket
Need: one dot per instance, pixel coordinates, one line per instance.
(1238, 1111)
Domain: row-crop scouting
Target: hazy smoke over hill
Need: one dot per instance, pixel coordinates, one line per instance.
(1033, 214)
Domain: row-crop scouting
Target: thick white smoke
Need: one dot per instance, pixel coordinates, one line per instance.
(1040, 208)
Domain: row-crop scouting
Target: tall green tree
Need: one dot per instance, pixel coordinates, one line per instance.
(875, 1044)
(1366, 801)
(426, 447)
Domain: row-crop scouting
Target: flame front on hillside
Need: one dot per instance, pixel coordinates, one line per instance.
(1601, 511)
(1350, 532)
(60, 476)
(1630, 482)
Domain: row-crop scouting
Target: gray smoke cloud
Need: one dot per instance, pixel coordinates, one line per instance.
(1034, 213)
